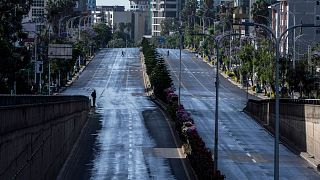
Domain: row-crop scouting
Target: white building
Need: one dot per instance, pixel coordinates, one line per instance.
(296, 12)
(36, 14)
(139, 5)
(160, 10)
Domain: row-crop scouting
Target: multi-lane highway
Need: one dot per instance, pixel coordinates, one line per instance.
(127, 136)
(245, 149)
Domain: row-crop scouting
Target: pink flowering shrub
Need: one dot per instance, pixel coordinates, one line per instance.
(199, 156)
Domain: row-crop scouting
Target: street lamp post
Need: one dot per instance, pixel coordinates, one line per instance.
(60, 21)
(277, 110)
(180, 49)
(216, 126)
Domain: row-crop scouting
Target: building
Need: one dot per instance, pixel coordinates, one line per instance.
(142, 18)
(101, 13)
(291, 12)
(141, 25)
(80, 7)
(111, 15)
(36, 14)
(139, 5)
(161, 9)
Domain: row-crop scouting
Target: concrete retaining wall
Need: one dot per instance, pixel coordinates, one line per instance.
(299, 123)
(36, 139)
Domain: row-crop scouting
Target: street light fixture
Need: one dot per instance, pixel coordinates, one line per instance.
(277, 120)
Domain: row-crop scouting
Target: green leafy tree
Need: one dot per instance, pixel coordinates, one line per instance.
(103, 34)
(208, 8)
(189, 9)
(246, 54)
(122, 27)
(172, 41)
(260, 14)
(57, 9)
(156, 69)
(160, 78)
(169, 25)
(14, 56)
(264, 63)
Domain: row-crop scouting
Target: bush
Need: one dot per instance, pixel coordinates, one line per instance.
(230, 73)
(200, 157)
(234, 78)
(253, 88)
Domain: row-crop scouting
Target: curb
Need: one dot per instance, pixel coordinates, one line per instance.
(313, 162)
(163, 109)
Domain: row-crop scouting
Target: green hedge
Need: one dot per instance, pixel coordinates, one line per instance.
(199, 156)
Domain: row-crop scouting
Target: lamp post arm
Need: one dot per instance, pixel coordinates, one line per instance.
(296, 26)
(257, 24)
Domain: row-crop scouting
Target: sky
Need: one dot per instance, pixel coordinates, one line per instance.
(113, 2)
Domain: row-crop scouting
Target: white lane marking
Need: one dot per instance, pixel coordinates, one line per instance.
(254, 161)
(248, 154)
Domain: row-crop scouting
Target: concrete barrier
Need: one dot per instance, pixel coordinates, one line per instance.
(299, 123)
(37, 137)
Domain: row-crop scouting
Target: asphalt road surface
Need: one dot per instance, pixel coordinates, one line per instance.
(245, 149)
(127, 136)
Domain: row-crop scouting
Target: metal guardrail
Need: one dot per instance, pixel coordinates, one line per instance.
(293, 101)
(8, 100)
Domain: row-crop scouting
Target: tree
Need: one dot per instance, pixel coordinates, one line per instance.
(57, 9)
(208, 8)
(246, 54)
(160, 78)
(264, 67)
(260, 12)
(14, 56)
(189, 9)
(103, 34)
(168, 25)
(122, 26)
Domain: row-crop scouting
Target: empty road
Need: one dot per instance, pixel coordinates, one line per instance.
(245, 148)
(127, 136)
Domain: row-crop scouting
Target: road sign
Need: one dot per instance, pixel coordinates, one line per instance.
(39, 68)
(60, 51)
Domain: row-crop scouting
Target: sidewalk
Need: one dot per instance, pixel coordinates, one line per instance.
(75, 76)
(250, 91)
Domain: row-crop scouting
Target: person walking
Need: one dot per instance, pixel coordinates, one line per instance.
(94, 95)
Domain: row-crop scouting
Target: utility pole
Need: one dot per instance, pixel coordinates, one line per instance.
(180, 60)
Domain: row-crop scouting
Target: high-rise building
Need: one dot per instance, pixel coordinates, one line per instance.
(37, 14)
(142, 18)
(139, 5)
(160, 10)
(291, 12)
